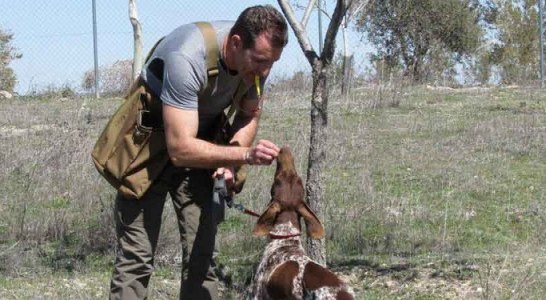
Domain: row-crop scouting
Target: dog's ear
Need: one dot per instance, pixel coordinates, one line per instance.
(314, 228)
(267, 219)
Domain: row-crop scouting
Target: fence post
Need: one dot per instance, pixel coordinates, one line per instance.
(319, 10)
(95, 50)
(541, 40)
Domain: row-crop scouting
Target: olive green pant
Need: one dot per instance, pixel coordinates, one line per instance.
(138, 225)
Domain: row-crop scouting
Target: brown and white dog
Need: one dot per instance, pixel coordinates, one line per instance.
(285, 271)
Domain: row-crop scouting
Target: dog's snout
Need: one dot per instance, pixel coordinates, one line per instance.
(285, 161)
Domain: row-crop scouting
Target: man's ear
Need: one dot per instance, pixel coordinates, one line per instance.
(267, 219)
(315, 229)
(236, 42)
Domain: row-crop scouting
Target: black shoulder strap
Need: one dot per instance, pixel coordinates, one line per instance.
(236, 100)
(152, 50)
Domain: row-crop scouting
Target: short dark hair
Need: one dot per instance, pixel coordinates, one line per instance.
(261, 18)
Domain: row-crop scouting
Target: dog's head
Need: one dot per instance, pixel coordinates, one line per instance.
(287, 201)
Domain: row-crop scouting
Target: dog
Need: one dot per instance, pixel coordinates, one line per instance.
(285, 271)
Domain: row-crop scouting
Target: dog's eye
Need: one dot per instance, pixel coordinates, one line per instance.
(276, 185)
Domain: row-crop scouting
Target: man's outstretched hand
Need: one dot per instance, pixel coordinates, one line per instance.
(262, 154)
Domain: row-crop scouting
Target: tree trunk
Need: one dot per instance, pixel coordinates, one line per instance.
(137, 36)
(347, 67)
(347, 75)
(317, 153)
(319, 112)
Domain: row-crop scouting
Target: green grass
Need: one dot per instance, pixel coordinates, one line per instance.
(448, 184)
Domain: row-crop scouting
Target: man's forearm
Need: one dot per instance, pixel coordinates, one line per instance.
(198, 153)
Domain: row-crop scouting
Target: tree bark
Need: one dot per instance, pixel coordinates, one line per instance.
(318, 140)
(347, 67)
(321, 69)
(137, 37)
(347, 82)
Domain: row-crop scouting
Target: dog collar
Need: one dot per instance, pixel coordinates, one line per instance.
(282, 236)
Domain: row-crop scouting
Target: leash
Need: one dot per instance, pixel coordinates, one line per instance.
(241, 208)
(221, 194)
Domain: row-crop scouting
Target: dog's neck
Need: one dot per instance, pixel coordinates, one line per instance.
(277, 252)
(285, 229)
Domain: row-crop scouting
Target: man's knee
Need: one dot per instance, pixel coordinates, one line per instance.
(130, 279)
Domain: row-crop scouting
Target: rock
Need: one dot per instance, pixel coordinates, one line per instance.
(5, 95)
(390, 284)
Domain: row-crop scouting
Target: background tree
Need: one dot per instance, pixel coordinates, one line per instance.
(516, 53)
(7, 55)
(321, 65)
(115, 79)
(348, 57)
(421, 35)
(137, 38)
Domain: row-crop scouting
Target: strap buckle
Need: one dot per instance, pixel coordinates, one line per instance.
(142, 116)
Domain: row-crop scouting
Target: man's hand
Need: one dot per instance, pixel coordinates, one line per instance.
(228, 174)
(262, 154)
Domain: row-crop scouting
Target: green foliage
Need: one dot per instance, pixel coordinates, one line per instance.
(58, 203)
(421, 37)
(235, 223)
(7, 55)
(516, 55)
(422, 197)
(52, 91)
(114, 79)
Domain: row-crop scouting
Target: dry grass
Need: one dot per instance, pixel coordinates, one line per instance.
(430, 193)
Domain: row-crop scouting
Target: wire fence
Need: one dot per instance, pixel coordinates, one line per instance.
(56, 38)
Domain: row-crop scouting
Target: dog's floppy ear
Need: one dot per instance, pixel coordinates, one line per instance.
(267, 219)
(314, 228)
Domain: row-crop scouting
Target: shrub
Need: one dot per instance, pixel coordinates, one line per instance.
(7, 54)
(114, 79)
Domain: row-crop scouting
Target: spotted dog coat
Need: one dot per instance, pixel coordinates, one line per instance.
(277, 252)
(285, 271)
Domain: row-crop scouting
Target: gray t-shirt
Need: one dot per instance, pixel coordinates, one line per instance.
(184, 71)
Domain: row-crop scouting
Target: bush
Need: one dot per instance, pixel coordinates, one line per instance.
(7, 54)
(114, 79)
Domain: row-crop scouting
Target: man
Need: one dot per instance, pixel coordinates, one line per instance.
(177, 72)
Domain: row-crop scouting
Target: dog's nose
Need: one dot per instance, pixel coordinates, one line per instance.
(285, 160)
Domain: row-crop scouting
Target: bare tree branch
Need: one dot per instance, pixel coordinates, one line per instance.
(137, 35)
(307, 13)
(355, 8)
(333, 28)
(299, 31)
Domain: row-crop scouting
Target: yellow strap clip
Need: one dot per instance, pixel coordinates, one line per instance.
(257, 84)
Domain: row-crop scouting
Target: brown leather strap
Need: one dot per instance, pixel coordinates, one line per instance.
(211, 45)
(212, 56)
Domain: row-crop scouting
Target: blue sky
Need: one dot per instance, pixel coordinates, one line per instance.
(56, 40)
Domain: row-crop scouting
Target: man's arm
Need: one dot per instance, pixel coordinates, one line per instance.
(185, 149)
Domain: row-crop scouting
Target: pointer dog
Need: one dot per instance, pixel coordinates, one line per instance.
(285, 271)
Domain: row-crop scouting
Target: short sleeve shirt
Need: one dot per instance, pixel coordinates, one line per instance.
(183, 53)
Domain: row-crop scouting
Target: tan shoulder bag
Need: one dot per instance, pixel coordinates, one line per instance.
(131, 151)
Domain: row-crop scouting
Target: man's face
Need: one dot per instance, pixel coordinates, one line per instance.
(257, 60)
